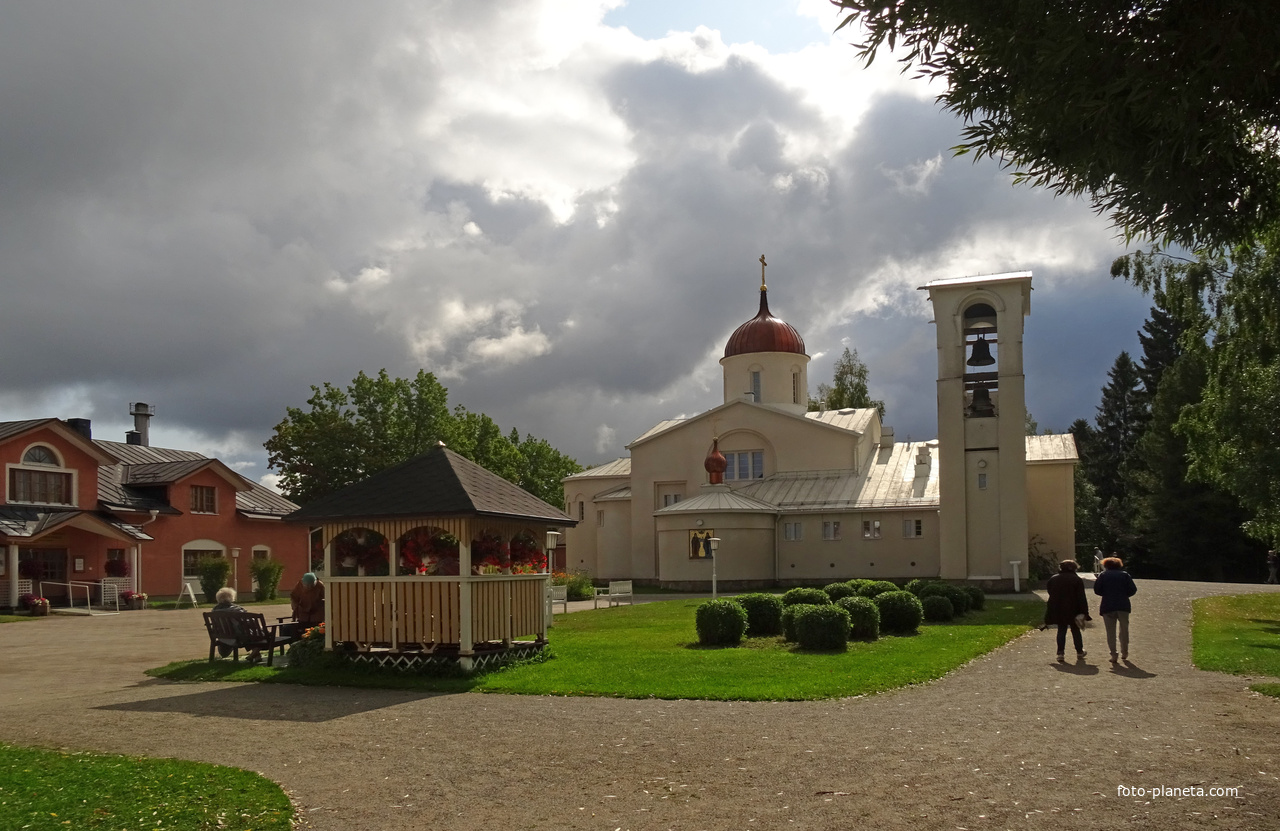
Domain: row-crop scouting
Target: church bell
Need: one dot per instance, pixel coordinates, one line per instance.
(981, 353)
(981, 406)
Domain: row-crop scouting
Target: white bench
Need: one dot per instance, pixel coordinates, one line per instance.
(616, 590)
(558, 594)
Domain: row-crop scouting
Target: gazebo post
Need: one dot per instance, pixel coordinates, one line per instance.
(465, 642)
(328, 570)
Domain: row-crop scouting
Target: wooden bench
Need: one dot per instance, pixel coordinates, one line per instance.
(558, 594)
(244, 630)
(614, 592)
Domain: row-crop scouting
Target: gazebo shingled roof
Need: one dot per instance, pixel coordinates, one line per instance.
(439, 482)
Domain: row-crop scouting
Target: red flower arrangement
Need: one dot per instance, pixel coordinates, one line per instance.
(526, 556)
(364, 548)
(426, 550)
(488, 553)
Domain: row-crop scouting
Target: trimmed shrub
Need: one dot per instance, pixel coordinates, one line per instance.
(267, 574)
(977, 597)
(213, 572)
(720, 622)
(764, 613)
(877, 587)
(959, 599)
(864, 617)
(822, 627)
(805, 596)
(900, 611)
(917, 585)
(789, 621)
(856, 584)
(937, 608)
(835, 591)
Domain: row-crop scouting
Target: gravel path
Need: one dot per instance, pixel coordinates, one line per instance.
(1013, 740)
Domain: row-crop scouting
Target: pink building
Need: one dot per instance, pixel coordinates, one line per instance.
(72, 504)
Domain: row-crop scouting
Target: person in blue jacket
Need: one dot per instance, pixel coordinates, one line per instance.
(1115, 586)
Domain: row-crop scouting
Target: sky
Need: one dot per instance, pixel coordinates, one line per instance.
(556, 206)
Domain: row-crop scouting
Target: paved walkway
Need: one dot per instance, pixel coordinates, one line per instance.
(1012, 740)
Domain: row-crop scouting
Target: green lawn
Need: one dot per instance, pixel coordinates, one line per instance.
(1239, 635)
(18, 618)
(650, 650)
(50, 789)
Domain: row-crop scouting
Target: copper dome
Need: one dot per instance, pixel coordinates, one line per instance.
(764, 333)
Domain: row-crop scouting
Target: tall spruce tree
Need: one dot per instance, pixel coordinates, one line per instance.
(1119, 424)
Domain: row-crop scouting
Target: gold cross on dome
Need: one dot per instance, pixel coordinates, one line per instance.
(763, 265)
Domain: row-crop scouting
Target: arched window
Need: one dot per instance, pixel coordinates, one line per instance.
(40, 455)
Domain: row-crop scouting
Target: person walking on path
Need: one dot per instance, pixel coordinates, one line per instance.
(1273, 562)
(1115, 587)
(1068, 607)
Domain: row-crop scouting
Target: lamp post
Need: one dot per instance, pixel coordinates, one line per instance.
(715, 546)
(552, 537)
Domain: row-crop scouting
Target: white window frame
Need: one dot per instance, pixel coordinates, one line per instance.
(754, 465)
(73, 476)
(871, 529)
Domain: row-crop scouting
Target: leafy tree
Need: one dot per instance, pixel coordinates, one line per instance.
(1233, 430)
(344, 436)
(849, 386)
(1165, 112)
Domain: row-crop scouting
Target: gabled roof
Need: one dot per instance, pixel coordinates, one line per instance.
(618, 467)
(13, 429)
(847, 421)
(437, 483)
(132, 485)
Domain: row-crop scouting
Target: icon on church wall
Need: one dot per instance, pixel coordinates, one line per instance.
(700, 544)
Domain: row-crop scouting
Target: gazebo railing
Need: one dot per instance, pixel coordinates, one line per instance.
(427, 612)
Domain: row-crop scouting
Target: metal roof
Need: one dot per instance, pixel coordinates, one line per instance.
(719, 499)
(616, 495)
(890, 481)
(618, 467)
(1057, 447)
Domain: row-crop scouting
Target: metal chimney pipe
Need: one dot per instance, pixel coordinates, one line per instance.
(142, 414)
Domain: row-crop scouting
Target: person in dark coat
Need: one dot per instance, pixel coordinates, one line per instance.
(1115, 586)
(1068, 607)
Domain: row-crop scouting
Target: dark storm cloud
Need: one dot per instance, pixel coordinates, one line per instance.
(212, 208)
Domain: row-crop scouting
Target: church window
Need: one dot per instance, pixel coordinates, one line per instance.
(744, 465)
(669, 499)
(599, 519)
(755, 386)
(582, 511)
(791, 531)
(40, 455)
(912, 528)
(795, 388)
(982, 481)
(871, 529)
(831, 530)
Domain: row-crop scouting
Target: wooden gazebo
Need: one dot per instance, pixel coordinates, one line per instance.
(434, 557)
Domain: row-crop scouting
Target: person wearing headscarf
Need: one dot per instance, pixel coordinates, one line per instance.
(307, 600)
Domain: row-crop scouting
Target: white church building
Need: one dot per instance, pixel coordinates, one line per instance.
(797, 497)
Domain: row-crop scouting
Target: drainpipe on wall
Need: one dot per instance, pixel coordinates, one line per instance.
(137, 553)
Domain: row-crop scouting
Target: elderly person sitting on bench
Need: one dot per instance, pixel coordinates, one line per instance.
(226, 604)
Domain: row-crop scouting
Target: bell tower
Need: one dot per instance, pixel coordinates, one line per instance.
(982, 417)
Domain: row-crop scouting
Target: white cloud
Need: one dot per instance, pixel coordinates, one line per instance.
(606, 439)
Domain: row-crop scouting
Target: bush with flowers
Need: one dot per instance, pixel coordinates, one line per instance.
(34, 603)
(527, 557)
(579, 583)
(308, 651)
(136, 600)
